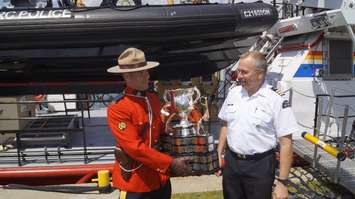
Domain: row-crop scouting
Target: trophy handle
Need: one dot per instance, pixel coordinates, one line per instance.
(166, 92)
(169, 96)
(198, 94)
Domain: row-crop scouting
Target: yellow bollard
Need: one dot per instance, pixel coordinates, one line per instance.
(326, 147)
(103, 181)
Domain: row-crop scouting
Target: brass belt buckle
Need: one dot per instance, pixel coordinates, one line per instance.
(241, 156)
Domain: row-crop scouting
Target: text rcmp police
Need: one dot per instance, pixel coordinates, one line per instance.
(35, 14)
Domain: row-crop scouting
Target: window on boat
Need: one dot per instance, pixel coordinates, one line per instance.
(338, 59)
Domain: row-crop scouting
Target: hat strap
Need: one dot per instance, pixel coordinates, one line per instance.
(130, 66)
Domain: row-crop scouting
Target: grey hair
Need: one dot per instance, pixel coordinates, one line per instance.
(259, 58)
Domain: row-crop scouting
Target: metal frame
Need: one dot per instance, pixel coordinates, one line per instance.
(340, 143)
(21, 155)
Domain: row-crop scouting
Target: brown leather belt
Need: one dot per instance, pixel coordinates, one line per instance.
(125, 161)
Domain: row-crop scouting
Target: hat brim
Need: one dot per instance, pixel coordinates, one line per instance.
(117, 69)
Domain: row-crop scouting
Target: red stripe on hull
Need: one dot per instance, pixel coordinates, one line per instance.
(50, 175)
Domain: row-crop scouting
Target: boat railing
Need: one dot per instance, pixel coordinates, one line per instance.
(343, 141)
(47, 138)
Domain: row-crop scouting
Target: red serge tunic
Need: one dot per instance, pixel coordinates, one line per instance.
(129, 122)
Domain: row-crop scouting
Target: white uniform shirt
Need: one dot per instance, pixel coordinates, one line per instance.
(255, 122)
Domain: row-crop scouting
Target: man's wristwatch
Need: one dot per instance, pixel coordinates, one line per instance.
(283, 181)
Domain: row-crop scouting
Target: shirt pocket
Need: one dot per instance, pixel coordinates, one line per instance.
(231, 113)
(262, 118)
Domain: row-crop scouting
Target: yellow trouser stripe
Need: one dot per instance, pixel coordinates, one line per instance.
(123, 194)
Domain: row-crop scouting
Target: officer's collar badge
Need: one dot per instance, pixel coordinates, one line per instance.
(122, 126)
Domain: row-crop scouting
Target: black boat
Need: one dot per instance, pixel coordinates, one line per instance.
(71, 46)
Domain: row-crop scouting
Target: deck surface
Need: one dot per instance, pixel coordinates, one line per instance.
(328, 164)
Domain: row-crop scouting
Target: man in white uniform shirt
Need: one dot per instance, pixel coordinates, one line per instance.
(254, 118)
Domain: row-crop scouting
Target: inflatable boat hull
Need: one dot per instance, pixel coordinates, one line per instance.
(78, 45)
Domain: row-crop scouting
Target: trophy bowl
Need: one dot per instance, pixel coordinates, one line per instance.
(182, 100)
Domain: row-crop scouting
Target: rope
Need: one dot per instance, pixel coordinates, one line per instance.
(298, 92)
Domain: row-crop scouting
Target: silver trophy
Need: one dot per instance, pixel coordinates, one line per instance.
(182, 100)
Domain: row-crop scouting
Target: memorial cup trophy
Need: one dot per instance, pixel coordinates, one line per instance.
(183, 137)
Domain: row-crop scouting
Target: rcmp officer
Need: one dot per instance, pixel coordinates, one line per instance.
(254, 119)
(140, 170)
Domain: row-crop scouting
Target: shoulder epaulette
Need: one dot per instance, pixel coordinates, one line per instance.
(277, 91)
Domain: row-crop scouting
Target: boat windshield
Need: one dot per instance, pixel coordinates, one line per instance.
(40, 4)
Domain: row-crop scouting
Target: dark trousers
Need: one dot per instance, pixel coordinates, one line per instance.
(163, 192)
(250, 178)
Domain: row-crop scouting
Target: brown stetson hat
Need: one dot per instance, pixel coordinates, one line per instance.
(132, 60)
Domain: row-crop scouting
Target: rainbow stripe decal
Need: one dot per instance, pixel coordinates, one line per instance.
(312, 62)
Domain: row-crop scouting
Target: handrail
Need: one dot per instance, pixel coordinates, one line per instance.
(74, 120)
(339, 96)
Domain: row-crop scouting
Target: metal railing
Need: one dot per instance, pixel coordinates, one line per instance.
(345, 143)
(28, 138)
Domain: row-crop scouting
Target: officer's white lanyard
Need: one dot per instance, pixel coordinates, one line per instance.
(150, 120)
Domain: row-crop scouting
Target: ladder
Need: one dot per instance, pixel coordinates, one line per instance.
(267, 44)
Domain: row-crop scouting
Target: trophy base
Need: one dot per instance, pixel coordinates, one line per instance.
(200, 147)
